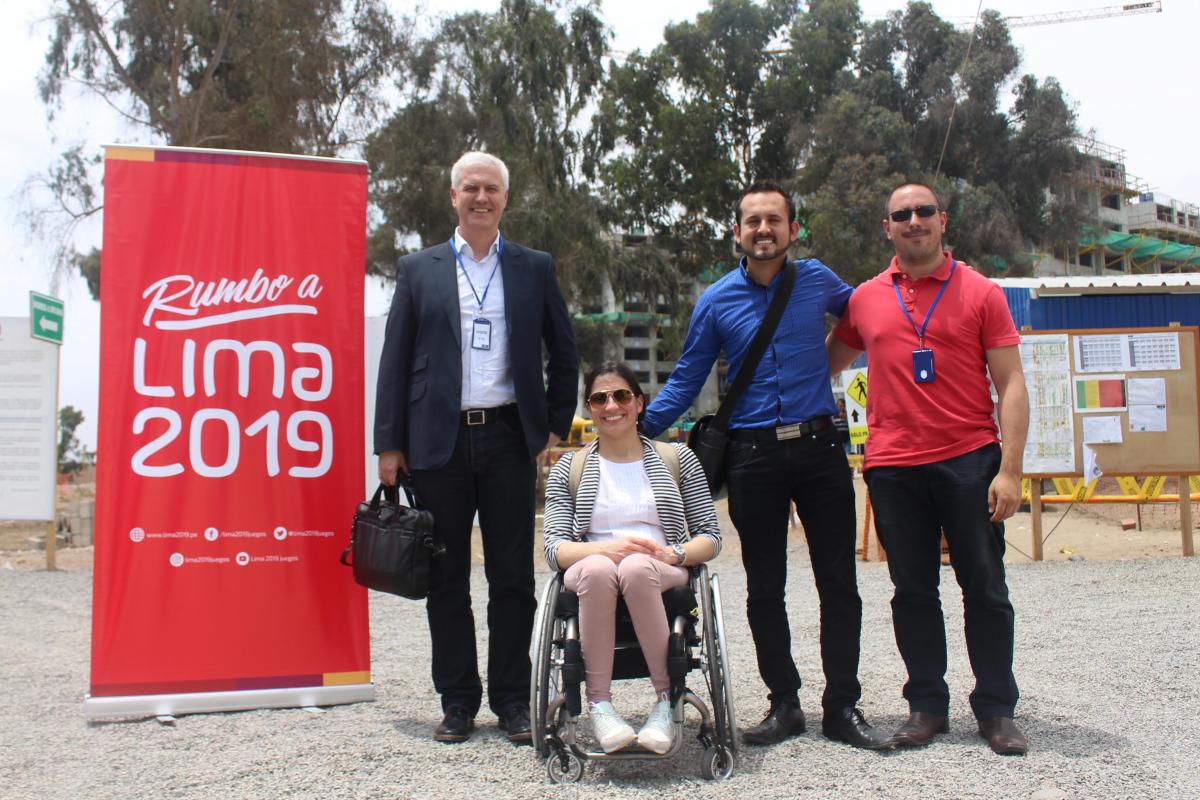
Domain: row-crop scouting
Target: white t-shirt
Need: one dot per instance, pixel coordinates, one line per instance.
(625, 504)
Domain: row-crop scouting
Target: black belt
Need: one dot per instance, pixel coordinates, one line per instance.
(783, 432)
(486, 416)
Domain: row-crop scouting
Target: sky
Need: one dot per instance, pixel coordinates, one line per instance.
(1132, 80)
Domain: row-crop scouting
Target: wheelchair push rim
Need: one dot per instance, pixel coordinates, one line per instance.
(540, 677)
(718, 674)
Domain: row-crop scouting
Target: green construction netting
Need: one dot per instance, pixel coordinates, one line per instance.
(1142, 246)
(626, 316)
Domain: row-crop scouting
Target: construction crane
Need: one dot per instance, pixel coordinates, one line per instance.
(1030, 20)
(1054, 18)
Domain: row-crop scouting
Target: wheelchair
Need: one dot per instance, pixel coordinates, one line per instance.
(697, 641)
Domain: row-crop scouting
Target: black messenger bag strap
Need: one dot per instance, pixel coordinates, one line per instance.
(758, 346)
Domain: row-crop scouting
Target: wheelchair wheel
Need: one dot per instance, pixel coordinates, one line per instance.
(717, 672)
(565, 767)
(716, 763)
(542, 658)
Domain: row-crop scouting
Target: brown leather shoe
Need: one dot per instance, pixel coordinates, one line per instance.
(1003, 736)
(919, 729)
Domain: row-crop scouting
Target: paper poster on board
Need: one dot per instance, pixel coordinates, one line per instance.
(1127, 352)
(1050, 444)
(1102, 430)
(1099, 393)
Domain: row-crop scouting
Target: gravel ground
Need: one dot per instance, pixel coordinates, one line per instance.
(1107, 659)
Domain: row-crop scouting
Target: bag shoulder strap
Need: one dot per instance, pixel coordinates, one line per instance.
(758, 346)
(670, 456)
(578, 462)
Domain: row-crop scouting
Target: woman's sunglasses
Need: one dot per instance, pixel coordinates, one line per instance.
(600, 399)
(905, 214)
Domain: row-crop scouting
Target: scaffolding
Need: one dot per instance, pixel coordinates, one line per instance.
(1103, 167)
(1164, 218)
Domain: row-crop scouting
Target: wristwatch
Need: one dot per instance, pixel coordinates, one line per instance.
(680, 555)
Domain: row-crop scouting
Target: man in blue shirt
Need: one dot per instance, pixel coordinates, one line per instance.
(784, 448)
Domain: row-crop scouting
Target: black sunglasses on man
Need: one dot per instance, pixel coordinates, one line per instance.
(905, 214)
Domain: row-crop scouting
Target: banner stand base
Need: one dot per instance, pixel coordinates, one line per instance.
(155, 705)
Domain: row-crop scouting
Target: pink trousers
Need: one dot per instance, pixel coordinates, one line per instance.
(641, 580)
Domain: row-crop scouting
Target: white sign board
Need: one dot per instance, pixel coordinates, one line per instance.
(28, 395)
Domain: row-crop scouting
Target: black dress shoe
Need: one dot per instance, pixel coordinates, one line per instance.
(850, 726)
(782, 721)
(456, 726)
(918, 730)
(1003, 736)
(515, 722)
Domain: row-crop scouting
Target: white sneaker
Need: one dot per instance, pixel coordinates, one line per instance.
(658, 733)
(610, 730)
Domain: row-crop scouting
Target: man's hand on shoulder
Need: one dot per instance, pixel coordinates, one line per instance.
(1004, 496)
(391, 462)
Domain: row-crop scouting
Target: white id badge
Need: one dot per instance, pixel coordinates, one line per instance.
(481, 334)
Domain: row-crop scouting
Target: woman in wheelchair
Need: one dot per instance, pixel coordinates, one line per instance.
(624, 528)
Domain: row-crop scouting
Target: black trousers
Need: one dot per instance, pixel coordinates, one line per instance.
(764, 479)
(913, 505)
(490, 471)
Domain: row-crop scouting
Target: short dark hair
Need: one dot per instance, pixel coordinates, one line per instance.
(888, 201)
(764, 187)
(618, 368)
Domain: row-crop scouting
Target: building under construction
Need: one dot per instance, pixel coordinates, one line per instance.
(1130, 230)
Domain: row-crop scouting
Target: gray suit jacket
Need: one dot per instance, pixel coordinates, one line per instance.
(420, 371)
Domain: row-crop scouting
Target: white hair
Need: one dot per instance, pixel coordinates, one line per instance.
(476, 158)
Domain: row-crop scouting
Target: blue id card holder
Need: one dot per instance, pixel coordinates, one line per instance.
(923, 365)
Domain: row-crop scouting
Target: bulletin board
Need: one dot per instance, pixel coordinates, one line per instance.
(1129, 395)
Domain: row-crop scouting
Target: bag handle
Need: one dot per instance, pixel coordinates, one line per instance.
(391, 494)
(758, 346)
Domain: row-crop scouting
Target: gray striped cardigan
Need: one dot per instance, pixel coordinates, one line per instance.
(681, 507)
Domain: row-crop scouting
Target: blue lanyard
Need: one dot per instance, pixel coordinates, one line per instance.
(463, 267)
(921, 333)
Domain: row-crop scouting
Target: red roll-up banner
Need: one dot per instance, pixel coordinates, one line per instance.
(230, 450)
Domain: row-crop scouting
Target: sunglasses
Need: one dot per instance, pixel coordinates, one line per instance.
(600, 399)
(905, 214)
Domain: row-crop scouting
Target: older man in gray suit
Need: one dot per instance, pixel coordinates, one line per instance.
(463, 408)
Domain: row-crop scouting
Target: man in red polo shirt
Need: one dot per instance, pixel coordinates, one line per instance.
(933, 330)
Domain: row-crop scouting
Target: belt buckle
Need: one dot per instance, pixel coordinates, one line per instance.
(793, 431)
(476, 416)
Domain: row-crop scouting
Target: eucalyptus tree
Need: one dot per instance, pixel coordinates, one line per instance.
(924, 100)
(687, 125)
(520, 83)
(298, 76)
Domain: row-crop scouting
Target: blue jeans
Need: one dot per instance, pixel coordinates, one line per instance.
(913, 506)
